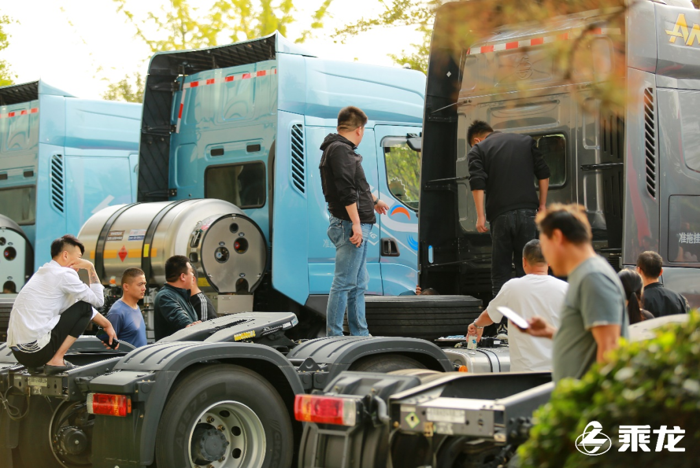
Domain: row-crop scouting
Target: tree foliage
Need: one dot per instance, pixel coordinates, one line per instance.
(654, 383)
(180, 25)
(128, 89)
(6, 76)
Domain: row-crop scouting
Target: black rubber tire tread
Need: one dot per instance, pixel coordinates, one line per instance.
(213, 383)
(428, 323)
(34, 445)
(385, 363)
(421, 302)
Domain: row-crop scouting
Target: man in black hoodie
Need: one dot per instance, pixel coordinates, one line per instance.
(352, 206)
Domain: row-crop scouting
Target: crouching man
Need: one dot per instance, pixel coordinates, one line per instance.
(53, 309)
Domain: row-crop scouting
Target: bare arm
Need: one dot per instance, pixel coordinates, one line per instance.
(539, 328)
(544, 188)
(482, 320)
(480, 213)
(606, 337)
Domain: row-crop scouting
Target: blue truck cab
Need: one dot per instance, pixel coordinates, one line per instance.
(61, 160)
(244, 123)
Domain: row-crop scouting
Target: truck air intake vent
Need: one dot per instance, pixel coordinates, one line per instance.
(298, 171)
(650, 140)
(57, 182)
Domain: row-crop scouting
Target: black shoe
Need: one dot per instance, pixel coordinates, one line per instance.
(52, 370)
(35, 370)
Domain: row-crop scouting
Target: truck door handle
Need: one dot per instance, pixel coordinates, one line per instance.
(389, 247)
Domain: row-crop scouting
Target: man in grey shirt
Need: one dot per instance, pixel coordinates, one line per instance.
(593, 316)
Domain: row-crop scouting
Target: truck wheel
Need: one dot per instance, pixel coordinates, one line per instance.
(426, 317)
(225, 416)
(385, 363)
(34, 444)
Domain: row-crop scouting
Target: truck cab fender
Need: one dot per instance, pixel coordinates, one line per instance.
(337, 354)
(150, 373)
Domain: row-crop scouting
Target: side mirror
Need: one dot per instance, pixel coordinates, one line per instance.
(414, 142)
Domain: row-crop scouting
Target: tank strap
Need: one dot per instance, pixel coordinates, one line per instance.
(102, 239)
(146, 248)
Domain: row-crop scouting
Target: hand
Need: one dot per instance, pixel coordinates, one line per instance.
(541, 208)
(381, 207)
(193, 323)
(538, 327)
(418, 290)
(356, 237)
(481, 224)
(472, 330)
(82, 264)
(111, 334)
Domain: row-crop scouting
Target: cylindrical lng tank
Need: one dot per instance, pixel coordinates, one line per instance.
(145, 235)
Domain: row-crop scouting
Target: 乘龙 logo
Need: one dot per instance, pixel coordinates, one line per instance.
(593, 442)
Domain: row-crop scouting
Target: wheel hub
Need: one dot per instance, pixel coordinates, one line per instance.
(208, 444)
(72, 440)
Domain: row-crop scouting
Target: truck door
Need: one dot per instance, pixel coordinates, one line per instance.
(320, 248)
(399, 186)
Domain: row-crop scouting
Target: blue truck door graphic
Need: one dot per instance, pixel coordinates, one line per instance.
(399, 188)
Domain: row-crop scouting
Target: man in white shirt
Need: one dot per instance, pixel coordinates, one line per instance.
(54, 307)
(535, 294)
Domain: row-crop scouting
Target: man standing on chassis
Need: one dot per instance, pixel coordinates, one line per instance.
(502, 168)
(351, 205)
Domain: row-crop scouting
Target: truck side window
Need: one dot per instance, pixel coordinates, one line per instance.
(402, 171)
(19, 204)
(553, 148)
(241, 184)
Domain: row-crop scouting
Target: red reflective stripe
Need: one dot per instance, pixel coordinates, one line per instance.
(211, 81)
(35, 110)
(11, 114)
(275, 71)
(24, 112)
(538, 41)
(261, 73)
(194, 84)
(228, 78)
(597, 31)
(563, 37)
(245, 76)
(511, 45)
(179, 114)
(485, 49)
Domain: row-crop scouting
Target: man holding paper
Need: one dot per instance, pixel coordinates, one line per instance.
(534, 294)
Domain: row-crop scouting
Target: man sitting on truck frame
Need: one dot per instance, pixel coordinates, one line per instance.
(172, 308)
(54, 307)
(533, 294)
(352, 206)
(502, 167)
(594, 315)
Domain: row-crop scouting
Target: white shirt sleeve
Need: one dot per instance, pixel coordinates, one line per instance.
(93, 294)
(500, 300)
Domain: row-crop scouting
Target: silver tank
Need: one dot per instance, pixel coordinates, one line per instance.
(222, 243)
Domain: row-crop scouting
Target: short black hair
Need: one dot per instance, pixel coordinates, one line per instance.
(429, 292)
(174, 267)
(350, 118)
(650, 263)
(60, 244)
(532, 252)
(131, 273)
(10, 286)
(571, 220)
(478, 127)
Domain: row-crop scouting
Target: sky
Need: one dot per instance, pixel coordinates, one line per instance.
(80, 46)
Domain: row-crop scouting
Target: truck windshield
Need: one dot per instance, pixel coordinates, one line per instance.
(19, 204)
(402, 171)
(240, 184)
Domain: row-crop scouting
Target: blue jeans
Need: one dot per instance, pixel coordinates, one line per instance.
(350, 280)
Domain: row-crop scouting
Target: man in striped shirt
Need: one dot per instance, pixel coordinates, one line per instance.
(201, 303)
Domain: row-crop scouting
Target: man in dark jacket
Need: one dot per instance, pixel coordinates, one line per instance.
(173, 310)
(502, 168)
(352, 206)
(657, 299)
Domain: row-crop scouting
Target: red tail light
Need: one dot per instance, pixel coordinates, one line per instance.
(325, 410)
(109, 405)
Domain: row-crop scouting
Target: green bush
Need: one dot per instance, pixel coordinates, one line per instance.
(655, 383)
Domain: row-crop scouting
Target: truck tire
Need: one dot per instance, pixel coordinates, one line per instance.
(34, 445)
(227, 412)
(385, 363)
(426, 317)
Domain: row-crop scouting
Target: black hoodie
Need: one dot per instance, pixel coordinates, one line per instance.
(343, 179)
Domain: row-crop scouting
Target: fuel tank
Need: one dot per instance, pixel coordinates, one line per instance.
(223, 244)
